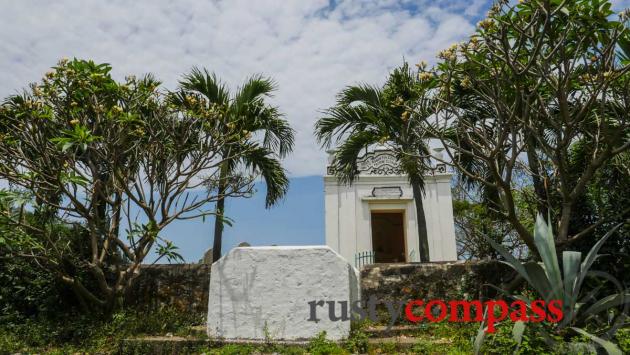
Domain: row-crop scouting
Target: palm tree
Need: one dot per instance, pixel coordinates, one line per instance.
(366, 115)
(247, 112)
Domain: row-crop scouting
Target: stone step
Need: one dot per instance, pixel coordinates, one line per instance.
(373, 331)
(382, 331)
(198, 330)
(183, 345)
(159, 345)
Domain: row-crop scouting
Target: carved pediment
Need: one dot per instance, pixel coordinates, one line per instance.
(383, 163)
(379, 163)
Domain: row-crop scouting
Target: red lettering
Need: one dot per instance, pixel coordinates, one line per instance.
(555, 309)
(496, 311)
(409, 311)
(538, 307)
(465, 305)
(428, 310)
(491, 317)
(521, 313)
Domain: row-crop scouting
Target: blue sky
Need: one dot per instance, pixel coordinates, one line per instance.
(311, 48)
(296, 220)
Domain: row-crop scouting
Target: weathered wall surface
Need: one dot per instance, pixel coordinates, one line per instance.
(264, 292)
(183, 286)
(433, 281)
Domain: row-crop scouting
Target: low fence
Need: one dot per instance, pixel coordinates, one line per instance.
(185, 286)
(363, 258)
(457, 280)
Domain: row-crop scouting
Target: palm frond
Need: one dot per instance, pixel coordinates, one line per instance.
(255, 88)
(340, 121)
(279, 136)
(360, 94)
(207, 84)
(262, 160)
(347, 154)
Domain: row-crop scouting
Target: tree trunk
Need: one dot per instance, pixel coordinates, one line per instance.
(422, 223)
(539, 185)
(218, 222)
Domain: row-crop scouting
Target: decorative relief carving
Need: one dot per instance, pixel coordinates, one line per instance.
(440, 169)
(383, 163)
(379, 163)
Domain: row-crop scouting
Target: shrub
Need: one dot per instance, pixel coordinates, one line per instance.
(357, 342)
(83, 333)
(321, 346)
(567, 285)
(623, 339)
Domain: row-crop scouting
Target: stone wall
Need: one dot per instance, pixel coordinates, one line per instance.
(183, 286)
(458, 280)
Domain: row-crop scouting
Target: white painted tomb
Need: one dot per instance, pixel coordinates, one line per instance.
(263, 292)
(376, 214)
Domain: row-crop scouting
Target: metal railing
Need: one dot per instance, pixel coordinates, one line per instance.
(363, 258)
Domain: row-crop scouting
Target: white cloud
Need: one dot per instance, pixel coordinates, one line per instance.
(311, 48)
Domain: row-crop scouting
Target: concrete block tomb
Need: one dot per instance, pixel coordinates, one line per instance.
(264, 293)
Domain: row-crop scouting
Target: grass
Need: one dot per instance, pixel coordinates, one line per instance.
(80, 334)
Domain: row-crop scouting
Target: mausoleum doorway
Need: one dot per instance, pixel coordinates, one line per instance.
(374, 219)
(388, 236)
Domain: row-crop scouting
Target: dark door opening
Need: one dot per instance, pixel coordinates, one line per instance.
(388, 237)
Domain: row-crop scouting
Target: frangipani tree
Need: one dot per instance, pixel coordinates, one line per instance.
(101, 155)
(537, 79)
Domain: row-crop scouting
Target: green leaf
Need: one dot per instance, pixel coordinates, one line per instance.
(565, 11)
(545, 244)
(511, 260)
(225, 220)
(517, 332)
(539, 280)
(610, 348)
(479, 339)
(570, 267)
(590, 259)
(607, 302)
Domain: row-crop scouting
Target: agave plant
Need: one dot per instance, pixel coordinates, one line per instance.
(580, 307)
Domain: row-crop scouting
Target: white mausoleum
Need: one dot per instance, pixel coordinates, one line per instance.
(376, 214)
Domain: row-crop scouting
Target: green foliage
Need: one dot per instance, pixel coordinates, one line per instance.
(81, 149)
(476, 219)
(233, 349)
(365, 115)
(247, 115)
(321, 346)
(261, 135)
(28, 290)
(502, 342)
(566, 285)
(388, 348)
(623, 339)
(607, 198)
(357, 342)
(82, 333)
(537, 98)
